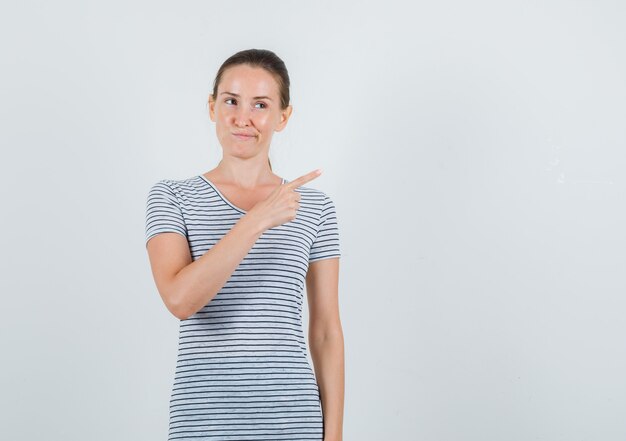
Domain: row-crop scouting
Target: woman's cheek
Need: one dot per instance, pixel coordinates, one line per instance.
(262, 121)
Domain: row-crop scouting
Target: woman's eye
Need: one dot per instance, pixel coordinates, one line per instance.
(228, 99)
(264, 105)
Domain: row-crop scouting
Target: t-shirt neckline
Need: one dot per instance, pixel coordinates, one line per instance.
(205, 179)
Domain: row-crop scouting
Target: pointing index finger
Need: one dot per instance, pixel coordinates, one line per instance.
(292, 185)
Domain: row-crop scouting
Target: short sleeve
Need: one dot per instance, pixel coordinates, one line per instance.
(326, 243)
(163, 212)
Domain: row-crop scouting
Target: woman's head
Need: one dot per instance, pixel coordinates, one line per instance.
(247, 79)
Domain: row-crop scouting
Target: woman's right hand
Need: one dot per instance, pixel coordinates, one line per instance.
(282, 204)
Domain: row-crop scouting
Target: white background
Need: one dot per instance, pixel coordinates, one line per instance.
(475, 152)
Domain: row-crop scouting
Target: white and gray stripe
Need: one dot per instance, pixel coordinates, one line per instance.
(242, 370)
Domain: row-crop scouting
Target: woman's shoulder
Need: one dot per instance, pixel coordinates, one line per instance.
(181, 187)
(180, 183)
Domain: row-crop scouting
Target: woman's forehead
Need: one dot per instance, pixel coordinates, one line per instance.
(248, 81)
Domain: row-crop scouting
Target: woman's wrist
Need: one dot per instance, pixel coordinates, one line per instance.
(252, 223)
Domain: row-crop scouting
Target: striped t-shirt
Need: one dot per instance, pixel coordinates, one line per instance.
(242, 371)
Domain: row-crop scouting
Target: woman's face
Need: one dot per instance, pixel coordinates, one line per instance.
(247, 111)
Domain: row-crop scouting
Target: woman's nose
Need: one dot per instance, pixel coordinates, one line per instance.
(242, 116)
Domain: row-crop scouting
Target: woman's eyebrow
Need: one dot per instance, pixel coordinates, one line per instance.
(254, 97)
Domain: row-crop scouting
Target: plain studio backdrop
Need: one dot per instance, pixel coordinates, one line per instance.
(476, 155)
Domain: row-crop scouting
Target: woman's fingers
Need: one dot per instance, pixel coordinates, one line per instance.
(292, 185)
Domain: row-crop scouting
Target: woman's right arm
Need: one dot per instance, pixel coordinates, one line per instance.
(186, 286)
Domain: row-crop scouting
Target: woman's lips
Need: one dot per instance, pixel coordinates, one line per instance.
(243, 137)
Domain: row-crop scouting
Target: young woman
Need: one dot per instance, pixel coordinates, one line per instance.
(230, 252)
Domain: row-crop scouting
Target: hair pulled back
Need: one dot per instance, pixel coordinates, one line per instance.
(264, 59)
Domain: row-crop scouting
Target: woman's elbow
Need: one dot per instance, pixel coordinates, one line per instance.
(175, 305)
(180, 314)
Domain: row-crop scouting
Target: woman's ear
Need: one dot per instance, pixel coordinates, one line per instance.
(285, 114)
(211, 108)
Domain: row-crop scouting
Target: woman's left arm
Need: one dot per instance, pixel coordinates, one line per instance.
(326, 342)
